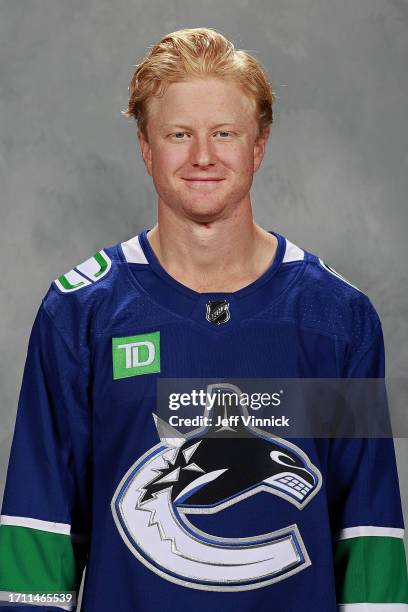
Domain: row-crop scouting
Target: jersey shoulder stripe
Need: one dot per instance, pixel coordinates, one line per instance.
(86, 273)
(334, 272)
(292, 253)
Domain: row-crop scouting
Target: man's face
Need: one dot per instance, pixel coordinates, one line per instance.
(202, 129)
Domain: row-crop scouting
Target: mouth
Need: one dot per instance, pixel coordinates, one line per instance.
(297, 486)
(207, 183)
(204, 180)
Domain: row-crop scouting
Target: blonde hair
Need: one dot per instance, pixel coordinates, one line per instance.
(192, 53)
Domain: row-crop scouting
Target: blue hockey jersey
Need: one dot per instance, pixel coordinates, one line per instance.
(194, 524)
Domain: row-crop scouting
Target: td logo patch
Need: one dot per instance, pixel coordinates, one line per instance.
(135, 355)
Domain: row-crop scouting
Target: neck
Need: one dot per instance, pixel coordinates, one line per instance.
(222, 255)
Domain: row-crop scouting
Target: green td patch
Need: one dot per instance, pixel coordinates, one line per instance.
(135, 355)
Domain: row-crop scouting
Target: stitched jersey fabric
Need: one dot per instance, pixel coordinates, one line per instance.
(195, 523)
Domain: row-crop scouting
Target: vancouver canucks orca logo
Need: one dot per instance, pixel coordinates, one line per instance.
(205, 473)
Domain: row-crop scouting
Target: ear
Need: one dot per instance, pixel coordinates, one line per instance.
(146, 151)
(259, 147)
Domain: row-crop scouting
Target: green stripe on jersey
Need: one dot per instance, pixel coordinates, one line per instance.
(32, 560)
(371, 569)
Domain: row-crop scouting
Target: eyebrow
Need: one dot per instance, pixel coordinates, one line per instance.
(186, 127)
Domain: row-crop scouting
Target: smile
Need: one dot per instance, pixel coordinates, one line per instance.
(206, 183)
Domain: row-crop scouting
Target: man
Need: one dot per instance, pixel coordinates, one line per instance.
(220, 521)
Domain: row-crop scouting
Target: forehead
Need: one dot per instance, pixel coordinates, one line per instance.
(204, 101)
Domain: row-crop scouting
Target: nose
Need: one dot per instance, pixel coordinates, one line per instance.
(202, 153)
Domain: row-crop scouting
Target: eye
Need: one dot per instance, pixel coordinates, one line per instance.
(223, 132)
(282, 458)
(178, 134)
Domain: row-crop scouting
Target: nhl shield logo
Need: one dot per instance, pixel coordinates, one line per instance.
(217, 311)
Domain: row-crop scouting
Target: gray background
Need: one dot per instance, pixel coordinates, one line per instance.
(334, 179)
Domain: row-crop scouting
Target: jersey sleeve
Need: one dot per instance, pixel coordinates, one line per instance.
(45, 519)
(367, 522)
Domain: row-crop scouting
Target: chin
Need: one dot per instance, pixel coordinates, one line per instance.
(203, 214)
